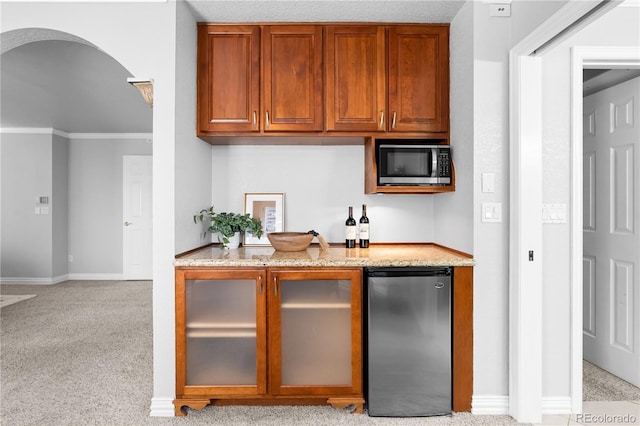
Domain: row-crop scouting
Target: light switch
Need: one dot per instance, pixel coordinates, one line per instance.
(491, 212)
(488, 182)
(554, 213)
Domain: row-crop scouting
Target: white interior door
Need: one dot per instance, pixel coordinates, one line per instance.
(611, 217)
(136, 217)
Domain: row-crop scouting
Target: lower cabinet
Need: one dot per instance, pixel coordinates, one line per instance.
(268, 336)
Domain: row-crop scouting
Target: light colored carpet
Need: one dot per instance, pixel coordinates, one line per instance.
(600, 385)
(10, 299)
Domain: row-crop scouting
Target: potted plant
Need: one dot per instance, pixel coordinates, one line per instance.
(229, 226)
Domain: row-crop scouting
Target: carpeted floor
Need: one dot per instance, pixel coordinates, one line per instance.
(80, 353)
(600, 385)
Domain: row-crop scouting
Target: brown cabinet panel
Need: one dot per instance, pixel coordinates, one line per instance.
(228, 78)
(292, 71)
(419, 78)
(355, 78)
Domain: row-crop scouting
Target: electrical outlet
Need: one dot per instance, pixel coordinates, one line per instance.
(500, 10)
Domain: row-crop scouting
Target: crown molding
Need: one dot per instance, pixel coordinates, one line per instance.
(52, 131)
(110, 136)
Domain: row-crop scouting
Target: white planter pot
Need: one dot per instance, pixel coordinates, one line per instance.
(234, 241)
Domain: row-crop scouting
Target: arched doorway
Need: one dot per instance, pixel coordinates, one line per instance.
(58, 84)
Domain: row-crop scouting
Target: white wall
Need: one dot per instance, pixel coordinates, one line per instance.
(27, 238)
(60, 206)
(193, 155)
(320, 182)
(618, 27)
(453, 212)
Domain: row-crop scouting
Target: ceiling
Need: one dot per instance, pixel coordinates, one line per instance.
(70, 87)
(76, 88)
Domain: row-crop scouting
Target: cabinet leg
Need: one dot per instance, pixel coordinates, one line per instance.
(355, 405)
(195, 404)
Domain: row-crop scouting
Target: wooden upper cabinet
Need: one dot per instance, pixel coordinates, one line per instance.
(355, 78)
(292, 78)
(419, 78)
(228, 78)
(337, 79)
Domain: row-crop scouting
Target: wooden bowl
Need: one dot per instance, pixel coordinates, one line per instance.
(290, 241)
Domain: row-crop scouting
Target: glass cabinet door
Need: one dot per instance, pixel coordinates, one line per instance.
(224, 331)
(313, 326)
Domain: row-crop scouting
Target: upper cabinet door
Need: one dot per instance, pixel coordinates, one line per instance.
(228, 78)
(292, 78)
(419, 78)
(355, 78)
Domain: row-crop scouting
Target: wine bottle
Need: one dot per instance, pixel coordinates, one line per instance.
(350, 230)
(364, 228)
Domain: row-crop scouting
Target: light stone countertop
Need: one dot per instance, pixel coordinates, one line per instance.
(398, 255)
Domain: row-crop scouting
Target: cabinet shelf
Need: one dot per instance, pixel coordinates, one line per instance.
(208, 330)
(192, 325)
(220, 333)
(316, 306)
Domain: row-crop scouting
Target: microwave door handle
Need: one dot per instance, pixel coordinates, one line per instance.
(434, 162)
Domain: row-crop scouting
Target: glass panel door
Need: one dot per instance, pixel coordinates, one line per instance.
(221, 332)
(316, 332)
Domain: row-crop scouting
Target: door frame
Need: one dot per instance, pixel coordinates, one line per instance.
(525, 221)
(584, 57)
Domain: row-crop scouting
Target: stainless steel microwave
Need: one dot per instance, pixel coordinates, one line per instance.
(413, 164)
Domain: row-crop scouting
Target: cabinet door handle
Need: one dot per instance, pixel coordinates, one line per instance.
(393, 122)
(275, 286)
(381, 119)
(266, 123)
(255, 120)
(260, 285)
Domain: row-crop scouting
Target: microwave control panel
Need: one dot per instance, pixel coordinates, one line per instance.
(444, 163)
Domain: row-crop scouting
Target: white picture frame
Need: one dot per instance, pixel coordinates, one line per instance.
(269, 208)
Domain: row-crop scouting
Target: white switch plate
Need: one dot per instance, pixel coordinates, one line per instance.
(491, 212)
(488, 182)
(554, 213)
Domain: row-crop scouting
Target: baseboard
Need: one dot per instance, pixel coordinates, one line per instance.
(499, 405)
(60, 278)
(556, 405)
(162, 407)
(495, 405)
(33, 281)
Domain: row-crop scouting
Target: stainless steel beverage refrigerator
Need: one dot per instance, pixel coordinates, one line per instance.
(407, 341)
